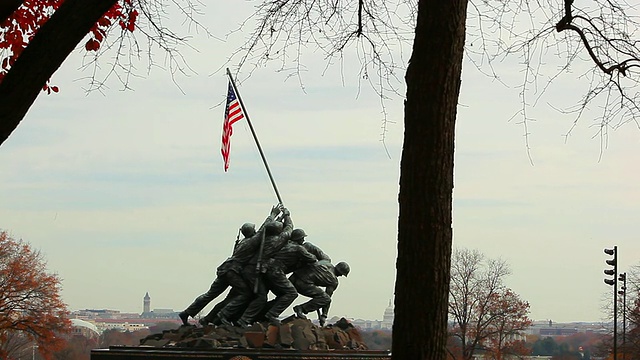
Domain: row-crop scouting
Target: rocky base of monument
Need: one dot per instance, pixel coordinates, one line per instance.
(291, 333)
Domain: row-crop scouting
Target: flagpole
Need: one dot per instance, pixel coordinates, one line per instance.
(255, 137)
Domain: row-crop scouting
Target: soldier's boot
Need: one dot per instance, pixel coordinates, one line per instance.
(272, 320)
(206, 320)
(184, 317)
(221, 319)
(242, 323)
(299, 312)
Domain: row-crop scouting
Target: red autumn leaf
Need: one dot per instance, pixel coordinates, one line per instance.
(92, 45)
(104, 22)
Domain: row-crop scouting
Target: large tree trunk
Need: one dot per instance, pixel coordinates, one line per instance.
(7, 7)
(43, 56)
(426, 181)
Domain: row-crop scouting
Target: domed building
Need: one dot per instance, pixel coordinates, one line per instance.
(84, 328)
(387, 318)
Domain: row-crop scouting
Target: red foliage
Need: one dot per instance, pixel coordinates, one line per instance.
(77, 348)
(508, 320)
(17, 30)
(30, 302)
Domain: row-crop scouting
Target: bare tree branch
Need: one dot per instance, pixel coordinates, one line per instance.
(125, 50)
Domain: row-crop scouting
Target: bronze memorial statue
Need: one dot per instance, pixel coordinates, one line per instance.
(259, 264)
(272, 260)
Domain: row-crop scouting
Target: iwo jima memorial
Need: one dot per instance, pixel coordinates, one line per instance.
(273, 259)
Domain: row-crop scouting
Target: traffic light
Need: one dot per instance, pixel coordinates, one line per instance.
(614, 263)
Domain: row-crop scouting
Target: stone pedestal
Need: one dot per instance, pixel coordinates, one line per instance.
(138, 353)
(293, 339)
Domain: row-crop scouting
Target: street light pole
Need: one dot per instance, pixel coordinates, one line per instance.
(613, 282)
(623, 291)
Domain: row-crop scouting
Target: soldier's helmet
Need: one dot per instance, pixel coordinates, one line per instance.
(342, 268)
(298, 235)
(273, 228)
(248, 229)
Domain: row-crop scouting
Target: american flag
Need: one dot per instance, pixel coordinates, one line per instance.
(232, 113)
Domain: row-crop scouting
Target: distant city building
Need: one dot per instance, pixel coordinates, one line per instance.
(147, 313)
(121, 324)
(104, 319)
(84, 328)
(387, 318)
(88, 314)
(385, 324)
(547, 328)
(130, 322)
(360, 323)
(89, 322)
(146, 304)
(163, 311)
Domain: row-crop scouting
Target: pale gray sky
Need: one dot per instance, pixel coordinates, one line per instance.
(125, 192)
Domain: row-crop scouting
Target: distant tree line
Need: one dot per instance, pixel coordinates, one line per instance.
(377, 339)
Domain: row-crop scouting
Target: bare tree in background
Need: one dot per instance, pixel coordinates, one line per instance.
(486, 315)
(474, 282)
(629, 343)
(436, 31)
(632, 348)
(629, 340)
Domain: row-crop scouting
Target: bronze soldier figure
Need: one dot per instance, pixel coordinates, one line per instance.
(299, 235)
(229, 273)
(308, 281)
(259, 271)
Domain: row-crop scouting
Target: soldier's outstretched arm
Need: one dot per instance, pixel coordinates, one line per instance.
(288, 223)
(275, 210)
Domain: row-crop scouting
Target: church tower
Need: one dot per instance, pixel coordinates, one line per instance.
(146, 307)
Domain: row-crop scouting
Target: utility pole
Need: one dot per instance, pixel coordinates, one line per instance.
(613, 282)
(623, 291)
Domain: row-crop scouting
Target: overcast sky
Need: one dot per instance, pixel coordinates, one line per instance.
(124, 191)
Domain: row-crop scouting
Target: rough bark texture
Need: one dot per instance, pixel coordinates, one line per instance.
(43, 56)
(426, 181)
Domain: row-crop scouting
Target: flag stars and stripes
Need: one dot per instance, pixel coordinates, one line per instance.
(233, 112)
